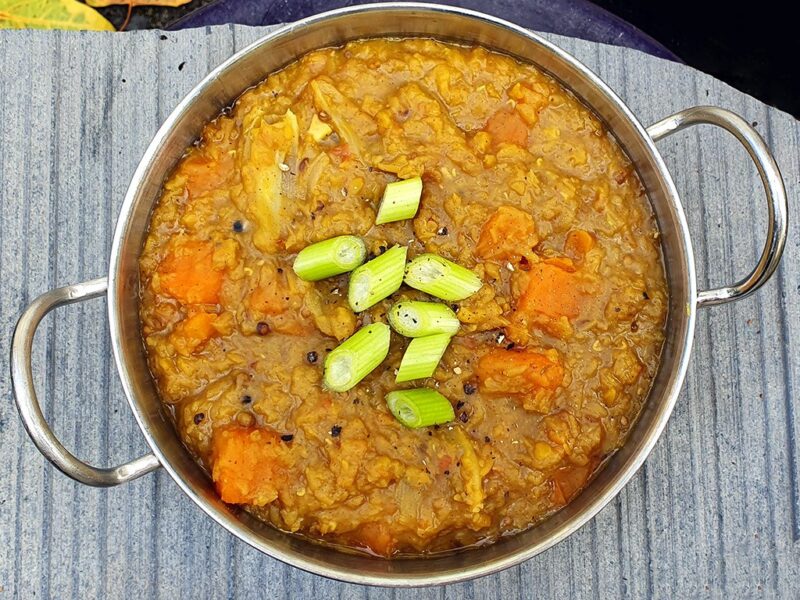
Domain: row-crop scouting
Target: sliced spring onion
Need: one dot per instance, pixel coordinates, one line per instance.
(356, 357)
(422, 356)
(413, 318)
(421, 407)
(332, 257)
(442, 278)
(400, 201)
(373, 281)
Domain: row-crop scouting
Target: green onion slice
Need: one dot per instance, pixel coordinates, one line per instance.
(413, 318)
(442, 278)
(332, 257)
(421, 407)
(356, 357)
(422, 356)
(373, 281)
(400, 201)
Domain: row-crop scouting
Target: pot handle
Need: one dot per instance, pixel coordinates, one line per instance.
(28, 404)
(773, 186)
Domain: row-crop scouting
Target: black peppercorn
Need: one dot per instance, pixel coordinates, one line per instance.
(198, 418)
(459, 405)
(247, 399)
(312, 357)
(262, 328)
(238, 226)
(470, 388)
(336, 430)
(287, 437)
(463, 417)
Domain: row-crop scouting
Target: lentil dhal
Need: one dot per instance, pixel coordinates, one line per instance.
(521, 184)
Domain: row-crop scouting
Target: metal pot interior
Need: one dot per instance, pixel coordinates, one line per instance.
(249, 67)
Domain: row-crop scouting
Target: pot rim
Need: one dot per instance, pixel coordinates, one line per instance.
(667, 400)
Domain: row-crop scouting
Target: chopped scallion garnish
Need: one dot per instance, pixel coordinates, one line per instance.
(400, 201)
(421, 407)
(422, 357)
(332, 257)
(413, 318)
(356, 357)
(373, 281)
(442, 278)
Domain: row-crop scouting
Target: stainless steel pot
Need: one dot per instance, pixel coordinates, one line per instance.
(247, 68)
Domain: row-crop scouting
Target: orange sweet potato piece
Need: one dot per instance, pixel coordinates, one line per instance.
(194, 331)
(377, 538)
(550, 298)
(506, 126)
(269, 298)
(578, 243)
(532, 375)
(272, 300)
(247, 465)
(199, 326)
(551, 290)
(203, 174)
(509, 234)
(188, 275)
(562, 262)
(568, 481)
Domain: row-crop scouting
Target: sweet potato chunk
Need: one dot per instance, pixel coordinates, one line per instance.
(193, 332)
(269, 298)
(203, 174)
(506, 126)
(377, 538)
(509, 234)
(277, 299)
(568, 481)
(551, 290)
(530, 375)
(188, 275)
(247, 467)
(549, 301)
(578, 243)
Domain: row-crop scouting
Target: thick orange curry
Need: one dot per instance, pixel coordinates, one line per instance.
(522, 184)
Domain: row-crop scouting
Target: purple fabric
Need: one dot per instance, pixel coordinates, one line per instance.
(575, 18)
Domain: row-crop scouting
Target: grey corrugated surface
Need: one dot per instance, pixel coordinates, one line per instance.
(715, 511)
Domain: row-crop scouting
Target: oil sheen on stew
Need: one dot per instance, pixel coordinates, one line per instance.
(556, 352)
